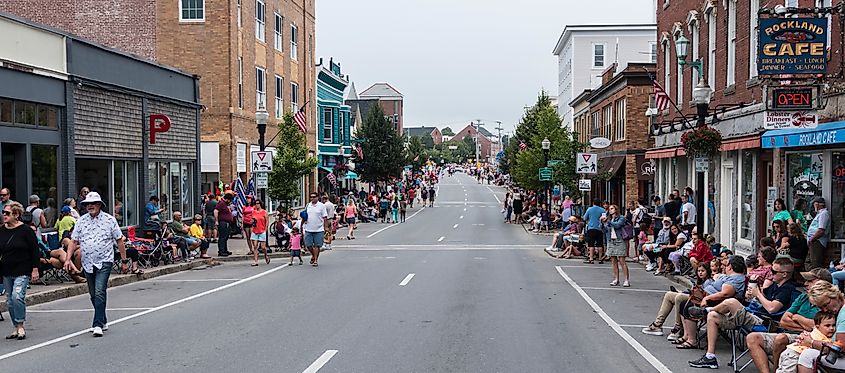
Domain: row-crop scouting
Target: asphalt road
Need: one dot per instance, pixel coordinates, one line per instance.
(451, 290)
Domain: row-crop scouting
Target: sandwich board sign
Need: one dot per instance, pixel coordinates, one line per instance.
(262, 161)
(586, 163)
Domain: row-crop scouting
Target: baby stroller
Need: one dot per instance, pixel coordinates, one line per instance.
(279, 231)
(154, 248)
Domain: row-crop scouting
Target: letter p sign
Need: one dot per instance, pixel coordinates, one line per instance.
(159, 123)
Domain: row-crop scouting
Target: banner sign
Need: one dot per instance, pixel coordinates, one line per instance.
(646, 168)
(792, 46)
(776, 120)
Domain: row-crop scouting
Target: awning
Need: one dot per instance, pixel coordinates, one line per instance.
(351, 175)
(824, 134)
(740, 143)
(661, 153)
(327, 169)
(611, 164)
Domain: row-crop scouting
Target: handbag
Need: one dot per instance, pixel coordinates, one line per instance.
(627, 231)
(697, 293)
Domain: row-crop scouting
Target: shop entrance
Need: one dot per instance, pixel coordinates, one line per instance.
(14, 169)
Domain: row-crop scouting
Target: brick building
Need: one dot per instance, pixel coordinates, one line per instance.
(486, 147)
(434, 132)
(383, 94)
(723, 35)
(616, 110)
(244, 51)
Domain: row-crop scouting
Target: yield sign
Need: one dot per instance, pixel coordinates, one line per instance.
(262, 161)
(586, 163)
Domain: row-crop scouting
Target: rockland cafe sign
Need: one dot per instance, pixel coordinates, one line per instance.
(792, 46)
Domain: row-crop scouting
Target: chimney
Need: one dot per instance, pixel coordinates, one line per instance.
(608, 73)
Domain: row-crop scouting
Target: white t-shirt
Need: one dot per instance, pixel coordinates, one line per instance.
(690, 219)
(330, 209)
(316, 216)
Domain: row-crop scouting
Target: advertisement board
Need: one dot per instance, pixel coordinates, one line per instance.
(792, 46)
(776, 120)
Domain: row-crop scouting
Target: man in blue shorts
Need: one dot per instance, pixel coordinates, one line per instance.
(314, 227)
(594, 235)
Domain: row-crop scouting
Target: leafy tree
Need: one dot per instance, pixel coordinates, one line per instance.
(415, 150)
(290, 163)
(505, 141)
(382, 148)
(427, 141)
(447, 131)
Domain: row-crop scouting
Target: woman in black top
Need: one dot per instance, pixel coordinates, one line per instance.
(18, 262)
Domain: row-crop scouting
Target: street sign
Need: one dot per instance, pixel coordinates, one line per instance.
(586, 163)
(262, 161)
(702, 164)
(261, 180)
(584, 185)
(790, 119)
(599, 142)
(553, 162)
(453, 147)
(545, 174)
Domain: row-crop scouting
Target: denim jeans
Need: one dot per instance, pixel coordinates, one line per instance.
(98, 282)
(16, 297)
(838, 277)
(223, 237)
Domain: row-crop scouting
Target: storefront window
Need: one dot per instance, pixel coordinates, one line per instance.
(130, 202)
(837, 194)
(119, 185)
(48, 116)
(24, 113)
(176, 193)
(173, 183)
(94, 174)
(44, 172)
(804, 180)
(747, 195)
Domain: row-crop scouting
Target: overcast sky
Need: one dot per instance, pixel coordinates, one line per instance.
(459, 60)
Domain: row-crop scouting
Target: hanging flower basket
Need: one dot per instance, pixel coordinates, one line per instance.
(702, 142)
(341, 168)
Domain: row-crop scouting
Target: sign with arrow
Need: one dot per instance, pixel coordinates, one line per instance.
(262, 161)
(586, 163)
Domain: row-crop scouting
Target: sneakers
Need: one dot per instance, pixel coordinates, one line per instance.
(652, 330)
(697, 312)
(674, 336)
(614, 283)
(650, 267)
(626, 284)
(704, 362)
(98, 331)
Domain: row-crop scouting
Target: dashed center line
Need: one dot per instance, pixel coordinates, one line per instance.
(462, 216)
(441, 238)
(454, 226)
(407, 279)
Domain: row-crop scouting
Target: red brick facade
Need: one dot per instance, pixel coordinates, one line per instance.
(484, 143)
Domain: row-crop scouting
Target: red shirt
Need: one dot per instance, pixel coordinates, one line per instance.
(701, 252)
(260, 219)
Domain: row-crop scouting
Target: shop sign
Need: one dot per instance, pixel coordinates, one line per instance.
(792, 46)
(793, 98)
(584, 185)
(586, 163)
(806, 184)
(839, 173)
(599, 142)
(776, 120)
(240, 157)
(159, 123)
(646, 168)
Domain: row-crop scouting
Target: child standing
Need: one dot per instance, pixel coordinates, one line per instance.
(295, 245)
(642, 239)
(403, 208)
(825, 327)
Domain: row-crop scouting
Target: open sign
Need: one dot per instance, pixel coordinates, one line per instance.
(793, 98)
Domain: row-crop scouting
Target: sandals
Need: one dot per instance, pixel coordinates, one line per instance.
(12, 336)
(254, 265)
(137, 271)
(589, 261)
(686, 345)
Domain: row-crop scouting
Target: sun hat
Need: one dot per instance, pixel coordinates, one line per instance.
(92, 197)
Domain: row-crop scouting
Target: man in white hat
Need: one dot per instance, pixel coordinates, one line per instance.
(95, 235)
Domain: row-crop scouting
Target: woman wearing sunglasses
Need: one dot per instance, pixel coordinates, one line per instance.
(19, 258)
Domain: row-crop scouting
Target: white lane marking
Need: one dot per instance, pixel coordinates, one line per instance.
(462, 216)
(142, 313)
(494, 195)
(507, 245)
(30, 310)
(441, 238)
(478, 225)
(465, 208)
(625, 289)
(395, 224)
(480, 258)
(407, 279)
(640, 326)
(322, 360)
(197, 280)
(613, 325)
(465, 199)
(588, 266)
(454, 226)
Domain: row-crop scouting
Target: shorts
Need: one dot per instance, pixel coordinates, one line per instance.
(769, 341)
(350, 220)
(258, 236)
(249, 225)
(809, 356)
(296, 253)
(788, 361)
(313, 239)
(209, 223)
(739, 318)
(191, 240)
(595, 238)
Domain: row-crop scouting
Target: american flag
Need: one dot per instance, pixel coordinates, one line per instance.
(522, 146)
(661, 99)
(299, 119)
(332, 179)
(240, 193)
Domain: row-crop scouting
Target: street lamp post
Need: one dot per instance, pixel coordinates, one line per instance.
(546, 145)
(261, 116)
(701, 96)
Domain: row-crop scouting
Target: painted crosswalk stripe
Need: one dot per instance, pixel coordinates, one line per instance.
(322, 360)
(407, 279)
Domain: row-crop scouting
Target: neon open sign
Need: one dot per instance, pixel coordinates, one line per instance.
(792, 98)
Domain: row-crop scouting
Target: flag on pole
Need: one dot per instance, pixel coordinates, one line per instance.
(299, 119)
(240, 193)
(332, 179)
(661, 99)
(250, 186)
(522, 146)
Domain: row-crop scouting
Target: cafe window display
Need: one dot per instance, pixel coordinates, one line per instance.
(804, 183)
(747, 193)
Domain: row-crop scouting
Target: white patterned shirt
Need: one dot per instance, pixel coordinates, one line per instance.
(97, 237)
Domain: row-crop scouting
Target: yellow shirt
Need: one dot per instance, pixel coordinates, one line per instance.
(65, 224)
(196, 231)
(816, 335)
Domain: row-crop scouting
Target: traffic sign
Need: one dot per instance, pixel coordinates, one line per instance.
(702, 164)
(261, 180)
(586, 163)
(553, 162)
(584, 185)
(545, 174)
(262, 161)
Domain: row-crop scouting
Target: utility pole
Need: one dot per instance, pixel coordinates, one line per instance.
(477, 127)
(499, 129)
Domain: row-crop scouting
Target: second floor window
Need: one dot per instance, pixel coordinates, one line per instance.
(328, 123)
(598, 55)
(259, 20)
(192, 10)
(294, 97)
(620, 119)
(277, 36)
(294, 34)
(280, 109)
(260, 87)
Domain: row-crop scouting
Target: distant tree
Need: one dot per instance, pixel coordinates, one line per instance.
(427, 141)
(290, 163)
(447, 131)
(382, 148)
(415, 153)
(505, 140)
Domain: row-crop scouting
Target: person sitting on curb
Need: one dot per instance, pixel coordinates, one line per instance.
(797, 319)
(730, 314)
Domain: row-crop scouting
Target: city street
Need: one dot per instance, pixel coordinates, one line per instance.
(451, 290)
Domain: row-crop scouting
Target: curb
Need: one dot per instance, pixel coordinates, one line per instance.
(678, 279)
